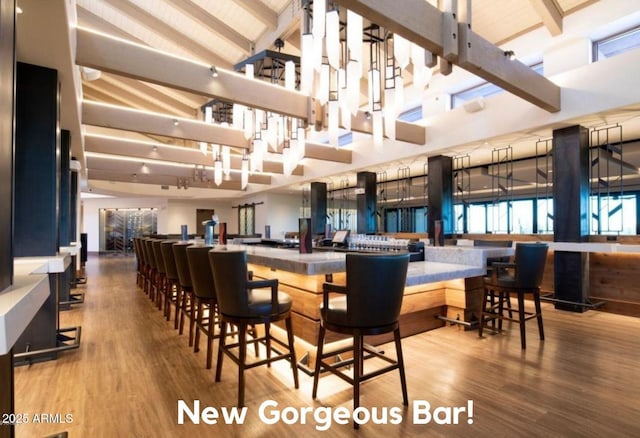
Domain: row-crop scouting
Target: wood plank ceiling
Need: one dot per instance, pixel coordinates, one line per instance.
(223, 33)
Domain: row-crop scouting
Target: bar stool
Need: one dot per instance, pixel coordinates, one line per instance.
(161, 280)
(370, 305)
(152, 270)
(204, 292)
(491, 261)
(241, 302)
(187, 308)
(139, 262)
(173, 282)
(528, 270)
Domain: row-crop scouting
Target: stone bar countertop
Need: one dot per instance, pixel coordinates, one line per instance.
(469, 262)
(21, 301)
(593, 247)
(54, 264)
(465, 255)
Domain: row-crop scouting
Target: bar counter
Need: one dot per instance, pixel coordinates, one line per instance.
(448, 283)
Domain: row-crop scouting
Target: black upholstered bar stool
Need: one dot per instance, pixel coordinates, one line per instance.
(161, 280)
(173, 282)
(490, 261)
(243, 302)
(525, 278)
(205, 301)
(139, 262)
(370, 305)
(187, 308)
(152, 272)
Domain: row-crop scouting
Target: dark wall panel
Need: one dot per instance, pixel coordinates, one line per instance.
(366, 199)
(65, 188)
(7, 87)
(440, 192)
(318, 202)
(37, 162)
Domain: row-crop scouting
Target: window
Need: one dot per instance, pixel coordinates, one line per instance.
(545, 216)
(477, 218)
(522, 216)
(613, 215)
(616, 44)
(484, 89)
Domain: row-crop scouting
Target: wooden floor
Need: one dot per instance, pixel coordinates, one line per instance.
(132, 368)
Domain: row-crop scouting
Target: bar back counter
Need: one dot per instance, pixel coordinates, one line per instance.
(448, 283)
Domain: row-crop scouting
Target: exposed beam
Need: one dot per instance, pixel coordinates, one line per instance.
(155, 151)
(405, 131)
(201, 15)
(288, 26)
(167, 32)
(421, 23)
(323, 152)
(169, 180)
(160, 124)
(550, 13)
(113, 55)
(483, 59)
(261, 11)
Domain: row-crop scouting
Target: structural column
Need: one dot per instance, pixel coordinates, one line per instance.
(366, 202)
(318, 204)
(571, 215)
(440, 193)
(37, 189)
(7, 88)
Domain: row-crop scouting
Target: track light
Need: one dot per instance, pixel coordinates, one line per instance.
(510, 54)
(367, 115)
(214, 71)
(175, 122)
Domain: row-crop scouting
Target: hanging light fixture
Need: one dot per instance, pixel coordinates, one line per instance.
(319, 17)
(226, 160)
(290, 75)
(217, 170)
(332, 41)
(244, 173)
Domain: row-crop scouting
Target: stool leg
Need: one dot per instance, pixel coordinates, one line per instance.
(199, 319)
(357, 367)
(221, 346)
(484, 308)
(242, 359)
(536, 299)
(523, 334)
(210, 332)
(403, 379)
(292, 352)
(316, 374)
(267, 332)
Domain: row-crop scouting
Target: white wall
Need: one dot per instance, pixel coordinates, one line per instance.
(183, 212)
(281, 212)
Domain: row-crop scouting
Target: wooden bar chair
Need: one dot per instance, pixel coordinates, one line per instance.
(369, 304)
(161, 280)
(187, 308)
(525, 278)
(243, 302)
(173, 282)
(206, 301)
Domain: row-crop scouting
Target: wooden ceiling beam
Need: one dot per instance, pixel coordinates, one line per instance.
(88, 19)
(160, 124)
(550, 13)
(420, 22)
(170, 153)
(114, 55)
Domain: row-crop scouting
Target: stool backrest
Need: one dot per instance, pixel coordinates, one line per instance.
(530, 261)
(157, 253)
(151, 257)
(171, 271)
(200, 269)
(375, 285)
(229, 270)
(182, 264)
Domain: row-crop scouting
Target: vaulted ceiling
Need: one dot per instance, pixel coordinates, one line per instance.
(223, 33)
